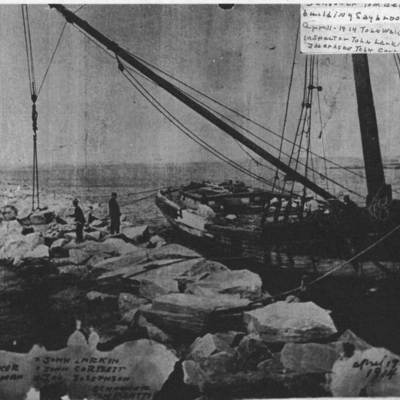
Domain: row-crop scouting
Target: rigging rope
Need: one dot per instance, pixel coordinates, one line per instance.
(353, 258)
(52, 57)
(299, 121)
(183, 128)
(287, 103)
(34, 96)
(235, 111)
(110, 54)
(251, 133)
(321, 134)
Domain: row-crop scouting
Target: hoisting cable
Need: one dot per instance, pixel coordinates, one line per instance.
(258, 176)
(34, 96)
(110, 54)
(251, 133)
(144, 92)
(232, 110)
(52, 57)
(287, 104)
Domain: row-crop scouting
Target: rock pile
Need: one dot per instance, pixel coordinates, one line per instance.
(138, 286)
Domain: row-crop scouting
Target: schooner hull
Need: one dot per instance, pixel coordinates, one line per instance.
(304, 255)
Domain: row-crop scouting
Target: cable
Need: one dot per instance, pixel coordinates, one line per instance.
(190, 133)
(52, 57)
(251, 133)
(32, 88)
(331, 271)
(255, 176)
(79, 8)
(287, 101)
(304, 287)
(321, 135)
(235, 111)
(208, 147)
(28, 49)
(214, 100)
(263, 140)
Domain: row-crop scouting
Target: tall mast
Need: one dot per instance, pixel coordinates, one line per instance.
(174, 91)
(369, 130)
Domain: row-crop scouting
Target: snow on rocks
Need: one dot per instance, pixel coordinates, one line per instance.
(182, 312)
(136, 234)
(126, 260)
(17, 246)
(39, 252)
(242, 282)
(172, 251)
(8, 228)
(207, 345)
(121, 247)
(41, 217)
(290, 322)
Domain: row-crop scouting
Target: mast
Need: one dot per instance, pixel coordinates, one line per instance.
(174, 91)
(369, 130)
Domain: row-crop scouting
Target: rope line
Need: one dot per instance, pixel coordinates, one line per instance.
(32, 89)
(337, 268)
(238, 113)
(183, 128)
(287, 102)
(52, 57)
(302, 287)
(321, 134)
(110, 54)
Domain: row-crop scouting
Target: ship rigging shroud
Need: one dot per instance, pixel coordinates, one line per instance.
(190, 102)
(185, 129)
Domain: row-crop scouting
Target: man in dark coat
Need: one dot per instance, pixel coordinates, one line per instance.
(114, 212)
(79, 220)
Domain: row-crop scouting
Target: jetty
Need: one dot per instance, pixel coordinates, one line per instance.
(229, 336)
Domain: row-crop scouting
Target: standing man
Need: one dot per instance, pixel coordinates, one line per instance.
(79, 220)
(114, 212)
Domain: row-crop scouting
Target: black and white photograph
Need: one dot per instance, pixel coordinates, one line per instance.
(199, 201)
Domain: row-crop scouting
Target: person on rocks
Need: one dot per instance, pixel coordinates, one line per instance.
(79, 220)
(114, 213)
(77, 338)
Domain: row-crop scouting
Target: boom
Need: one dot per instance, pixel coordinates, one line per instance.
(174, 91)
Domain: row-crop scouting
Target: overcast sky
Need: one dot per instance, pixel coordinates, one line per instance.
(89, 113)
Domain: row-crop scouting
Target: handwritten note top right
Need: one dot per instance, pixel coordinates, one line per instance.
(345, 28)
